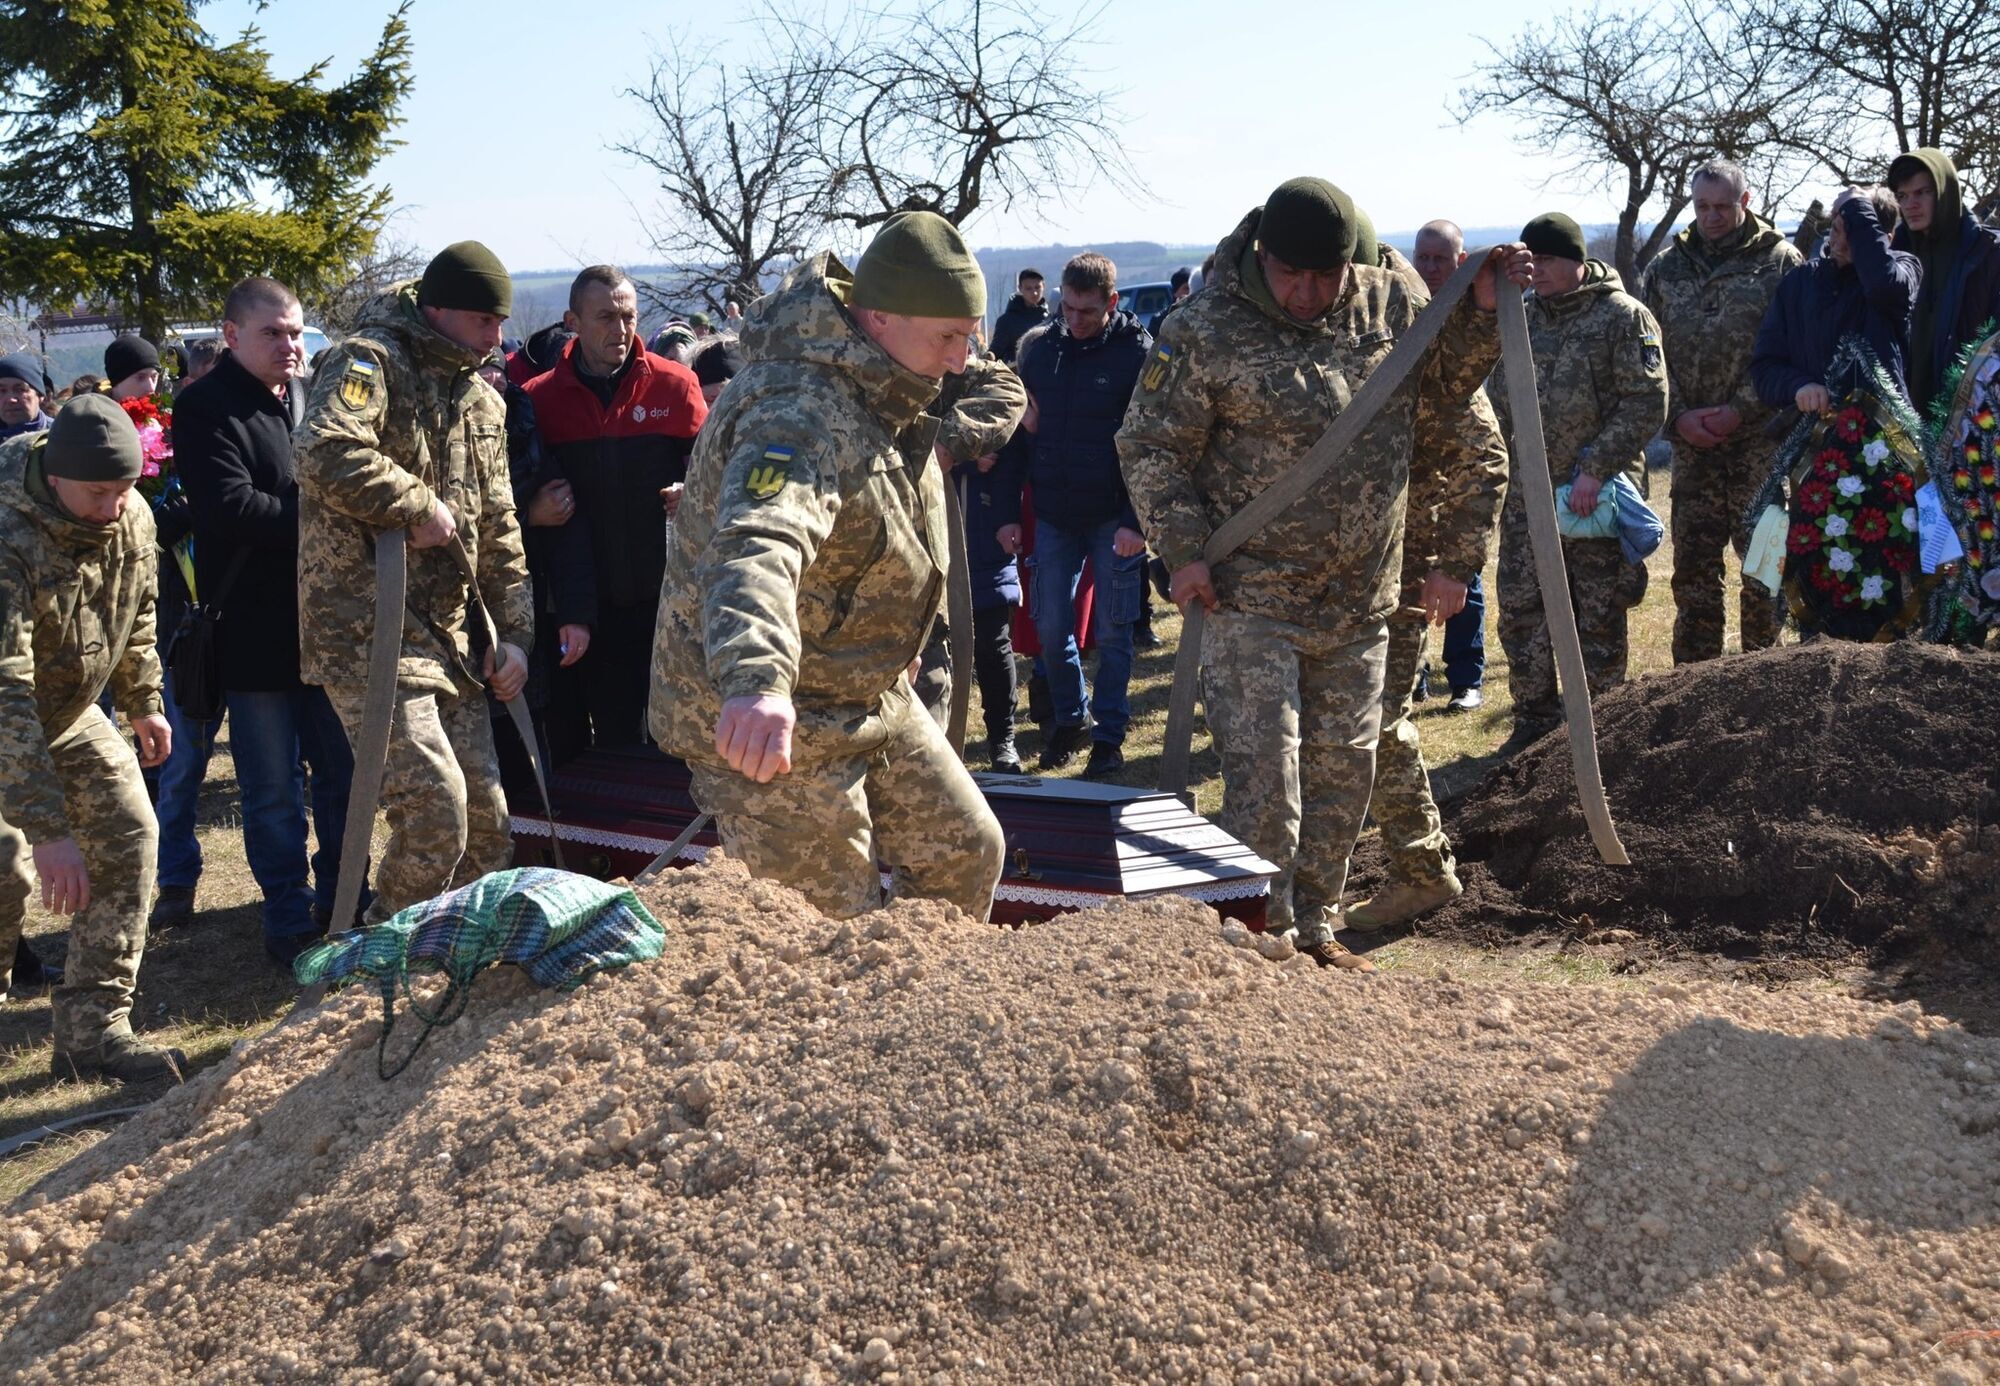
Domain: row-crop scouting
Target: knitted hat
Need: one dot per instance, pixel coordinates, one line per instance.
(1556, 236)
(1309, 224)
(126, 357)
(918, 265)
(21, 366)
(468, 276)
(698, 320)
(92, 439)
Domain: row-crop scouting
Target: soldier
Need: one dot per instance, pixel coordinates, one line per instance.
(401, 433)
(806, 565)
(1246, 377)
(77, 579)
(1457, 480)
(1602, 379)
(1709, 290)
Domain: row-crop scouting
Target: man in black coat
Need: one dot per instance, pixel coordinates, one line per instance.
(233, 447)
(1025, 311)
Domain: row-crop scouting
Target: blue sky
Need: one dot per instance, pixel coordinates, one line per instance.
(506, 131)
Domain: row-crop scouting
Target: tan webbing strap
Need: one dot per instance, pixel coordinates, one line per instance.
(1282, 494)
(958, 612)
(1531, 465)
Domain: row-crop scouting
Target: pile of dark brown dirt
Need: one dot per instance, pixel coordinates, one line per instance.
(1811, 800)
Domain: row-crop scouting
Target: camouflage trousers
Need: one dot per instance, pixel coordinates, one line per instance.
(1295, 713)
(441, 792)
(1602, 587)
(1401, 804)
(1711, 490)
(114, 828)
(882, 787)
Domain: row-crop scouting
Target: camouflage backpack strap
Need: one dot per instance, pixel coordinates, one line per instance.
(1281, 495)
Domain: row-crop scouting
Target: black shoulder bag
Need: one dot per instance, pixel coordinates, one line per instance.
(195, 658)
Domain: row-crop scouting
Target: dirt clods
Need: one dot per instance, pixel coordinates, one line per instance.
(1124, 1146)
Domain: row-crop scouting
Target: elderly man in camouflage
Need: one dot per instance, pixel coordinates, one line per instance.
(401, 433)
(1602, 379)
(807, 564)
(1246, 377)
(77, 577)
(1457, 479)
(1709, 290)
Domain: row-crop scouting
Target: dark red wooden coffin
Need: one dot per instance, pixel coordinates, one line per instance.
(1070, 843)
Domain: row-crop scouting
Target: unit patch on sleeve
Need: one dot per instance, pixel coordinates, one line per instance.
(767, 476)
(357, 386)
(1157, 366)
(1649, 350)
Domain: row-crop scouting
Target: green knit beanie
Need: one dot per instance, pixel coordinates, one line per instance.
(92, 439)
(1556, 236)
(918, 266)
(468, 276)
(1309, 224)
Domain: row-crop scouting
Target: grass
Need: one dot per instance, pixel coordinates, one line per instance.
(208, 985)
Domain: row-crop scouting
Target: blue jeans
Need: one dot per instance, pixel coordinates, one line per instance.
(180, 793)
(275, 737)
(1121, 582)
(1465, 642)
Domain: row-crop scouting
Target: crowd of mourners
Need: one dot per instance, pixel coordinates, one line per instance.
(1091, 455)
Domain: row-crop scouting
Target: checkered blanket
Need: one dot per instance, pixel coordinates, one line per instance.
(556, 926)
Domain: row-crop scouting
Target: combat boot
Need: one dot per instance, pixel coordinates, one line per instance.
(122, 1059)
(172, 907)
(1401, 903)
(1062, 745)
(1332, 953)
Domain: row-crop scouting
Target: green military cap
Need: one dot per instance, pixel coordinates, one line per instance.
(1309, 224)
(1556, 236)
(918, 265)
(468, 276)
(92, 439)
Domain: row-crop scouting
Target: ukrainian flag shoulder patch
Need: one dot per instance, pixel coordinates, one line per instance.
(768, 475)
(357, 385)
(1157, 366)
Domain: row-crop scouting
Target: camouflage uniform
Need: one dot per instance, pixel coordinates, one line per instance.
(1602, 379)
(1292, 664)
(808, 561)
(76, 614)
(977, 412)
(396, 419)
(1453, 508)
(1710, 301)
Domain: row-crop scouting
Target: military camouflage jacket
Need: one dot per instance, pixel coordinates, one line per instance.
(1709, 306)
(1601, 376)
(979, 409)
(397, 418)
(76, 613)
(1236, 392)
(1458, 477)
(809, 554)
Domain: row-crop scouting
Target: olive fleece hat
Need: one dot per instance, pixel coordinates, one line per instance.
(918, 265)
(468, 276)
(126, 357)
(92, 439)
(1309, 224)
(1556, 236)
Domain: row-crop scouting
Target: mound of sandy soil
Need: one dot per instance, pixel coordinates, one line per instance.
(1804, 800)
(1137, 1144)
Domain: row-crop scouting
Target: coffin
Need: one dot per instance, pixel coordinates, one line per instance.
(1070, 844)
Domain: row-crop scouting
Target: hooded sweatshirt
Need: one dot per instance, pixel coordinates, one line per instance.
(1959, 299)
(808, 556)
(76, 614)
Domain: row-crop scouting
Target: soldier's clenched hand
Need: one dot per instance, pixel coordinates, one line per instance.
(1583, 494)
(1515, 261)
(755, 735)
(670, 498)
(1692, 426)
(509, 675)
(65, 882)
(1443, 598)
(156, 739)
(1191, 583)
(435, 532)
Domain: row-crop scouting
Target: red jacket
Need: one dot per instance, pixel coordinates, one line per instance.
(617, 458)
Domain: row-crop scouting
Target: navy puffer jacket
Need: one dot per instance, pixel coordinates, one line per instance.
(1080, 389)
(1823, 301)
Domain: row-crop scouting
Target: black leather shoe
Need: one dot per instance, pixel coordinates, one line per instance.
(172, 907)
(1105, 759)
(1063, 744)
(1000, 751)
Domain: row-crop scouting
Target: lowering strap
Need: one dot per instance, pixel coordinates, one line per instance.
(958, 613)
(1282, 494)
